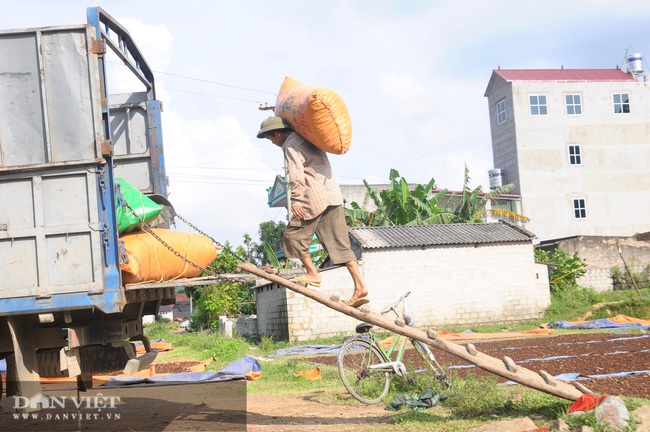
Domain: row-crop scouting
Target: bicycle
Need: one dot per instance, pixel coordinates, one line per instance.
(366, 368)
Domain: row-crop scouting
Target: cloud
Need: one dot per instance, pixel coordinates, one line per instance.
(413, 74)
(216, 173)
(405, 94)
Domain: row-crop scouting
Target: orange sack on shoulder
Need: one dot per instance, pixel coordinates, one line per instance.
(150, 261)
(317, 113)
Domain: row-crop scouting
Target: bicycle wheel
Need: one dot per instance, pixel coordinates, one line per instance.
(432, 364)
(364, 384)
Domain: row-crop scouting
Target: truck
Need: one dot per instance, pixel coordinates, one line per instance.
(64, 140)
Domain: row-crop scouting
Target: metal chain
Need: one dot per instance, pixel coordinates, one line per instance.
(148, 229)
(225, 248)
(195, 228)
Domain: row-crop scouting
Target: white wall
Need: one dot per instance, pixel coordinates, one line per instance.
(450, 286)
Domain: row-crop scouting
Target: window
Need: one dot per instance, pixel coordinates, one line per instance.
(538, 105)
(501, 111)
(573, 104)
(579, 208)
(575, 157)
(621, 103)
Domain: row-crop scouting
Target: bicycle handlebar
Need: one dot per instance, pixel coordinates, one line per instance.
(394, 305)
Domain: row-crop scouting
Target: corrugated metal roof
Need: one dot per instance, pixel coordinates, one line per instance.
(445, 234)
(565, 75)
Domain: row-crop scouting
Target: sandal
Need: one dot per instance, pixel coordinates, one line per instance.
(303, 279)
(356, 302)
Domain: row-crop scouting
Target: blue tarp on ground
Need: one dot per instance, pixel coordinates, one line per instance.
(233, 371)
(307, 350)
(596, 324)
(575, 376)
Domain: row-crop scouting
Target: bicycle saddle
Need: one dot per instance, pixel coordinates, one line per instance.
(363, 328)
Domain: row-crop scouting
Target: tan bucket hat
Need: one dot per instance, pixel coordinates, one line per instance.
(271, 124)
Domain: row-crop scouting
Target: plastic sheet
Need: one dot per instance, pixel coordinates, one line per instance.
(239, 369)
(619, 321)
(145, 208)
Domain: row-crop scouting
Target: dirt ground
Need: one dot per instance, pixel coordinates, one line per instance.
(226, 407)
(199, 407)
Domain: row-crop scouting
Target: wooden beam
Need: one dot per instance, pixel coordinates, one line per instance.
(493, 365)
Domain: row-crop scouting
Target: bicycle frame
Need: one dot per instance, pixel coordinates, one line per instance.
(366, 367)
(390, 365)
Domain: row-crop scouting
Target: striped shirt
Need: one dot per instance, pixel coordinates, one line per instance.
(312, 183)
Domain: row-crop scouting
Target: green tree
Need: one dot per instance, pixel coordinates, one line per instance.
(270, 233)
(563, 268)
(227, 298)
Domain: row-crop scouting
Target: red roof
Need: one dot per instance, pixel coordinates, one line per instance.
(565, 75)
(181, 297)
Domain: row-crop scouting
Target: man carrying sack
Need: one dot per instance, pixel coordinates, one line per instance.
(316, 207)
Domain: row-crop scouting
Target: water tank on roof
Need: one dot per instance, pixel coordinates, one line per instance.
(634, 63)
(497, 177)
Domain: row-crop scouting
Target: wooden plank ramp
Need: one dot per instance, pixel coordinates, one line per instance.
(505, 367)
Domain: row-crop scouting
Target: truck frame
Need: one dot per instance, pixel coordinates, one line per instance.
(64, 310)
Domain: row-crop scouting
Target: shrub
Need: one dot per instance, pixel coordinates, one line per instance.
(563, 268)
(622, 280)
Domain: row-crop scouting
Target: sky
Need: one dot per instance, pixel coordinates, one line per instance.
(413, 74)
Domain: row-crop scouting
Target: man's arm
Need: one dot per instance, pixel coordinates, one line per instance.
(295, 168)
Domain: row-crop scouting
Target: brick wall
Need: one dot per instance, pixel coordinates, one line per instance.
(271, 303)
(601, 254)
(451, 286)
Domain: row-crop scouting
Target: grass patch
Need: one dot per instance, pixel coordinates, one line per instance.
(475, 400)
(281, 376)
(639, 308)
(201, 345)
(481, 398)
(572, 303)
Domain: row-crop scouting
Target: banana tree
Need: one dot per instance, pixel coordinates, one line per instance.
(399, 205)
(472, 205)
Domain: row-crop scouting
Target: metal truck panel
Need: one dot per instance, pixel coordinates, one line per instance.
(129, 127)
(58, 242)
(48, 97)
(63, 139)
(52, 238)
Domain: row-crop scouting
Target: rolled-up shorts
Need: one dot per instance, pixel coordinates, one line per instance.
(331, 230)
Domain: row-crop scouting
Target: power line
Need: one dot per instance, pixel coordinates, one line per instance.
(216, 83)
(392, 145)
(202, 80)
(207, 177)
(206, 94)
(233, 182)
(220, 168)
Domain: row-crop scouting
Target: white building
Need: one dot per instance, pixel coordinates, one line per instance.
(458, 275)
(576, 144)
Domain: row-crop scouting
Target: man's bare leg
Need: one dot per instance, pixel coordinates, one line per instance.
(312, 271)
(360, 289)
